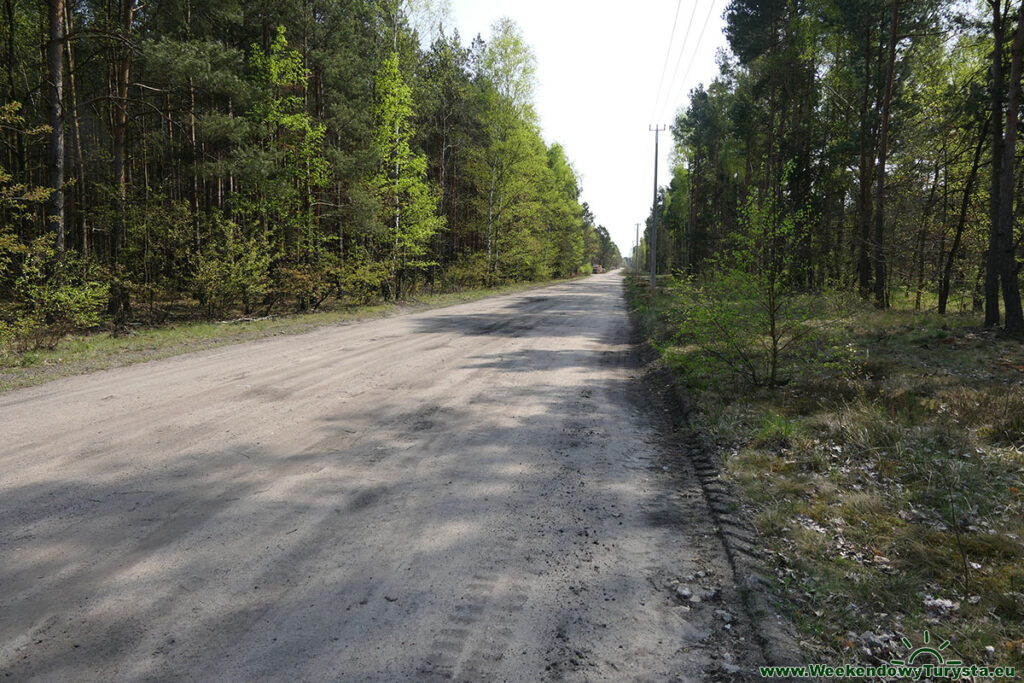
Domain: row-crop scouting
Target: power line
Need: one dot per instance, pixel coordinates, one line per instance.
(700, 39)
(682, 51)
(668, 53)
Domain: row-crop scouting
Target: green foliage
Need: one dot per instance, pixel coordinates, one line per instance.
(746, 314)
(361, 279)
(408, 203)
(510, 66)
(283, 162)
(162, 250)
(466, 272)
(795, 109)
(776, 432)
(55, 296)
(603, 250)
(18, 200)
(295, 133)
(50, 294)
(317, 275)
(565, 214)
(282, 155)
(236, 269)
(307, 284)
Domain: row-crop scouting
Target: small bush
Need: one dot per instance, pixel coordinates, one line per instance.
(763, 338)
(235, 268)
(748, 312)
(360, 279)
(54, 296)
(466, 271)
(309, 284)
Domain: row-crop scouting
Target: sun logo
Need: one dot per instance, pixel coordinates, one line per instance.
(926, 649)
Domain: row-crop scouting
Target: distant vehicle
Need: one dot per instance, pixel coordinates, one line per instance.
(598, 269)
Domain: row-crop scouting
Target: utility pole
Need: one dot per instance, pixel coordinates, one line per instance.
(636, 254)
(654, 207)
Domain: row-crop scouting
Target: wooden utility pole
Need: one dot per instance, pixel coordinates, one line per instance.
(654, 207)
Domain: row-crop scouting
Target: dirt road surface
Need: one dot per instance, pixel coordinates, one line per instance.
(480, 492)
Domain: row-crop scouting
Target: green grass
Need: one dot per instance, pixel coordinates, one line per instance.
(84, 353)
(881, 489)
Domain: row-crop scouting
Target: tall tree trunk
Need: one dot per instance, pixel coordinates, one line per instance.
(19, 151)
(991, 259)
(121, 122)
(9, 48)
(922, 234)
(1007, 258)
(83, 223)
(881, 294)
(490, 219)
(195, 157)
(772, 180)
(965, 203)
(55, 155)
(867, 162)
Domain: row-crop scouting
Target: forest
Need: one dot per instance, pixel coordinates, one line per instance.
(837, 289)
(876, 142)
(173, 159)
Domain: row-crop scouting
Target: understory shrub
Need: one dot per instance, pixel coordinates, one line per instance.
(469, 270)
(749, 313)
(361, 279)
(53, 296)
(236, 268)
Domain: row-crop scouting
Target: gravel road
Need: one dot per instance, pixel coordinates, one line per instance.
(480, 492)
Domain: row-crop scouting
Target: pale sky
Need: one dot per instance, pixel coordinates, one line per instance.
(599, 65)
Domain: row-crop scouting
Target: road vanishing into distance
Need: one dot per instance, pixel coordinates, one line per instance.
(483, 492)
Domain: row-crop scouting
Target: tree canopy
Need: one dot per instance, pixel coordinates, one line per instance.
(867, 127)
(229, 156)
